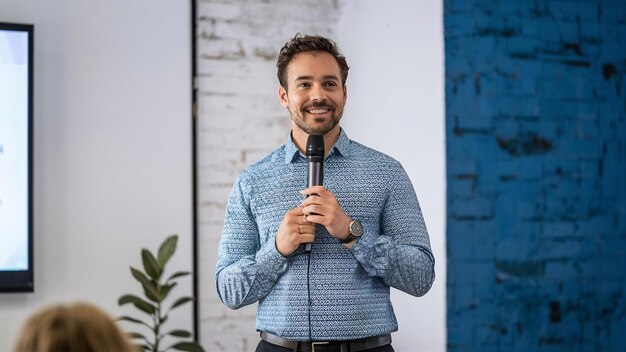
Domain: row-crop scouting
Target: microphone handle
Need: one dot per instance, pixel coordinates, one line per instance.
(316, 173)
(316, 178)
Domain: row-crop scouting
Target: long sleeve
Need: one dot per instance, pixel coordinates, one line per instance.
(246, 270)
(324, 294)
(399, 251)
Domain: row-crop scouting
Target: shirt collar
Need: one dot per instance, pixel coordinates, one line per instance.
(291, 151)
(341, 148)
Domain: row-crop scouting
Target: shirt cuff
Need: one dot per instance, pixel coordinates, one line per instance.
(270, 259)
(371, 251)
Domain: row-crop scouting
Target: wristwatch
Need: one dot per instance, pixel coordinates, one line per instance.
(356, 231)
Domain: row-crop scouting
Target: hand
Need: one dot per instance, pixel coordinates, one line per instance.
(293, 231)
(321, 207)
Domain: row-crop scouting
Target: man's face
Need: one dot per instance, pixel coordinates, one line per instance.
(314, 96)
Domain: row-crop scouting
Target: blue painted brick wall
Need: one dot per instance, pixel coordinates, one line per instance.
(536, 172)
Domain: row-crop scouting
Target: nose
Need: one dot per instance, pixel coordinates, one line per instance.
(317, 93)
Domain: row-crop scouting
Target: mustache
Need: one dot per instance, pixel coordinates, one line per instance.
(319, 104)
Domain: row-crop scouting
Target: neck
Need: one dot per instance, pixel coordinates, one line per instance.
(300, 137)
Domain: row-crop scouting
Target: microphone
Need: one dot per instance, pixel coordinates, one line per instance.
(315, 158)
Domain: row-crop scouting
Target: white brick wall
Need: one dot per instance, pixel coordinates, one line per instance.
(239, 121)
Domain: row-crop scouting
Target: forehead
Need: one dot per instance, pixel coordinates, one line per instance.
(315, 64)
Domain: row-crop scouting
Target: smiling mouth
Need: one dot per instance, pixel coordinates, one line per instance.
(318, 110)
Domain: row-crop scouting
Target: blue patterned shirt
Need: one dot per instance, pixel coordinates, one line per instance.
(333, 293)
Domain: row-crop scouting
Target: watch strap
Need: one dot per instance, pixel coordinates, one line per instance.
(349, 239)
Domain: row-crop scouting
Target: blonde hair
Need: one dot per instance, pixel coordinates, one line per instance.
(78, 327)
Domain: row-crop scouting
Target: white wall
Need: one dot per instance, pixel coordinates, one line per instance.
(112, 148)
(240, 120)
(396, 105)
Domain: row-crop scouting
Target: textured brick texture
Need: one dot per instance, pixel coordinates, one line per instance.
(536, 174)
(239, 120)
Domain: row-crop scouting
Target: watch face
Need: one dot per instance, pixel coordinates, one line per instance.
(356, 228)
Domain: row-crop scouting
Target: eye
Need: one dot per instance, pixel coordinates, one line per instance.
(331, 84)
(304, 85)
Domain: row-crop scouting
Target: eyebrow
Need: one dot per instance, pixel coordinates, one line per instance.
(309, 78)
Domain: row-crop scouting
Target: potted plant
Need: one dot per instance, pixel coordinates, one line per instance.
(156, 290)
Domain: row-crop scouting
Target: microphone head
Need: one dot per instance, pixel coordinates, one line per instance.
(315, 147)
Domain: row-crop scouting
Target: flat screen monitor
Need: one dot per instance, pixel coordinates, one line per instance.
(16, 157)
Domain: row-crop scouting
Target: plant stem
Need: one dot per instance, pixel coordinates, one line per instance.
(157, 327)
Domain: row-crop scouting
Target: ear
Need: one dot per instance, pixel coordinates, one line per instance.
(345, 94)
(282, 96)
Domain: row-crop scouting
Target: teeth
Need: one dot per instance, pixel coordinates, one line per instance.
(318, 111)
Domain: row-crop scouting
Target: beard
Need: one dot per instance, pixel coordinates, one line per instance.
(320, 126)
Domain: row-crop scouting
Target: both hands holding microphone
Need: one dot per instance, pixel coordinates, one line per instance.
(298, 225)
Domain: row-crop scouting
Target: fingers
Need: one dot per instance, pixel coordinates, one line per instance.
(293, 231)
(318, 195)
(322, 207)
(297, 216)
(306, 233)
(318, 201)
(307, 238)
(306, 229)
(316, 205)
(323, 215)
(292, 214)
(312, 209)
(318, 219)
(316, 190)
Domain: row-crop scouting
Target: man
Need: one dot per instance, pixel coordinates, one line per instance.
(365, 224)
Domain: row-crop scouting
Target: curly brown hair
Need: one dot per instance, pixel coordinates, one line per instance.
(307, 43)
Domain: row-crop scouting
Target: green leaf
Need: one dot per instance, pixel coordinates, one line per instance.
(145, 282)
(166, 251)
(136, 335)
(177, 275)
(149, 291)
(145, 347)
(138, 302)
(165, 290)
(179, 333)
(181, 301)
(133, 320)
(188, 346)
(150, 264)
(125, 299)
(138, 275)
